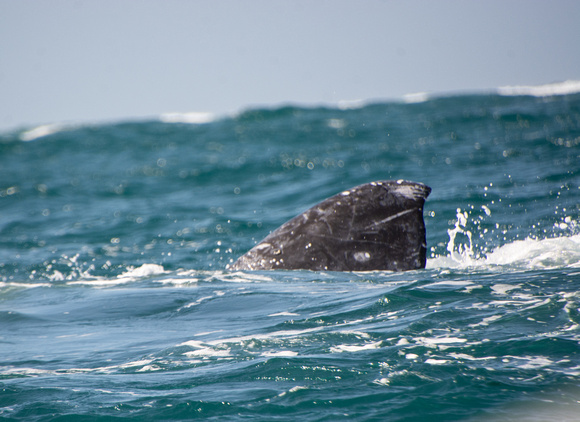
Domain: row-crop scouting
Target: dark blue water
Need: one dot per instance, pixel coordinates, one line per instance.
(115, 301)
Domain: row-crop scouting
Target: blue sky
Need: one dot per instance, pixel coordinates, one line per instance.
(78, 60)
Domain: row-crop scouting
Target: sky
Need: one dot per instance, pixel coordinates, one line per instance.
(64, 61)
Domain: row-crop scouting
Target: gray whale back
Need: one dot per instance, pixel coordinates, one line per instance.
(375, 226)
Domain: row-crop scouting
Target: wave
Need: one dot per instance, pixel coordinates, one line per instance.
(204, 117)
(530, 254)
(547, 90)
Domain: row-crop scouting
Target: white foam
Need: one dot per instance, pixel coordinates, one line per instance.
(145, 363)
(217, 293)
(193, 117)
(436, 361)
(281, 353)
(132, 274)
(41, 131)
(284, 314)
(292, 390)
(430, 341)
(241, 277)
(100, 282)
(547, 90)
(355, 348)
(144, 270)
(178, 282)
(502, 289)
(351, 104)
(540, 254)
(451, 283)
(23, 285)
(486, 321)
(469, 357)
(530, 253)
(209, 352)
(416, 97)
(224, 343)
(532, 362)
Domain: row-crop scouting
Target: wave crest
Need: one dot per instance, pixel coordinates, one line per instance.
(547, 90)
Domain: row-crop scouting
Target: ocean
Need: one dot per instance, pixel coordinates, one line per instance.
(116, 303)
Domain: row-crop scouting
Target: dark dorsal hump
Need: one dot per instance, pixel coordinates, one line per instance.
(375, 226)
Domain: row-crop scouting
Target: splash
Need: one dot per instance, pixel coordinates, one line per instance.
(66, 268)
(460, 252)
(560, 251)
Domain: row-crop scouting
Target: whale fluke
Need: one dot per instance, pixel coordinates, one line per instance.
(375, 226)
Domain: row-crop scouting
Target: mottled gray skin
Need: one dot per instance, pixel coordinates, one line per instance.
(376, 226)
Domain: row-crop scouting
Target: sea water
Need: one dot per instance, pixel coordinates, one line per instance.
(116, 304)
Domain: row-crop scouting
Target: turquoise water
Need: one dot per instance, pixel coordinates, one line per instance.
(115, 301)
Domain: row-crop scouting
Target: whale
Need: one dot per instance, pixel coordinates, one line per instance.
(372, 227)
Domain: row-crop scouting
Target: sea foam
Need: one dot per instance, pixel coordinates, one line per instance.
(547, 90)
